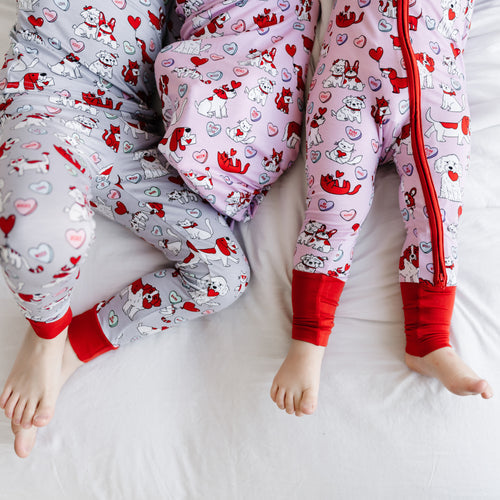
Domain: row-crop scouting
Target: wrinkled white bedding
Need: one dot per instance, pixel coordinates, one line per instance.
(187, 415)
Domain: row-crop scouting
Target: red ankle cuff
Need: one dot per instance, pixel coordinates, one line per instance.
(315, 298)
(86, 336)
(53, 329)
(427, 311)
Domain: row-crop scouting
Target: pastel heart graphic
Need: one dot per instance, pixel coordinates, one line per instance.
(353, 133)
(348, 215)
(121, 4)
(42, 253)
(286, 76)
(161, 273)
(315, 155)
(32, 145)
(239, 26)
(157, 231)
(374, 83)
(320, 70)
(53, 110)
(341, 38)
(76, 238)
(200, 156)
(238, 71)
(430, 151)
(360, 173)
(134, 178)
(213, 129)
(25, 206)
(283, 5)
(129, 48)
(166, 63)
(426, 246)
(153, 191)
(325, 205)
(404, 106)
(364, 3)
(112, 319)
(114, 194)
(152, 45)
(276, 39)
(272, 129)
(255, 114)
(325, 96)
(408, 169)
(230, 48)
(435, 47)
(62, 4)
(298, 26)
(430, 267)
(216, 57)
(375, 145)
(250, 152)
(384, 26)
(128, 147)
(430, 23)
(405, 215)
(360, 42)
(182, 89)
(76, 45)
(42, 187)
(215, 75)
(194, 212)
(264, 178)
(50, 15)
(55, 43)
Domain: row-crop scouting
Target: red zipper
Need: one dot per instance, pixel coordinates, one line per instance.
(418, 144)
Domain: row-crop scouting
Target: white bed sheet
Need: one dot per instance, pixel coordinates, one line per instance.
(187, 415)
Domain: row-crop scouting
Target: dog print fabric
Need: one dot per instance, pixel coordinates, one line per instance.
(79, 136)
(359, 116)
(232, 92)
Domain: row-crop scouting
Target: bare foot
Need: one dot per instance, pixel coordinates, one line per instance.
(296, 385)
(25, 436)
(445, 365)
(30, 393)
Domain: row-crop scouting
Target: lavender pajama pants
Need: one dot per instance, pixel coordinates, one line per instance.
(80, 135)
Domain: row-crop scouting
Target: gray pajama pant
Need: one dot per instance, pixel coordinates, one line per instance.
(79, 135)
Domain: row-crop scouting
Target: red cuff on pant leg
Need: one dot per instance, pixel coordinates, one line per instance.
(315, 298)
(53, 329)
(86, 336)
(428, 312)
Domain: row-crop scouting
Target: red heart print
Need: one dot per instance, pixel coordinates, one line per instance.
(120, 208)
(135, 22)
(291, 49)
(7, 223)
(199, 61)
(36, 22)
(376, 54)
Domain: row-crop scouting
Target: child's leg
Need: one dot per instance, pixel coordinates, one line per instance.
(47, 227)
(340, 174)
(209, 268)
(432, 182)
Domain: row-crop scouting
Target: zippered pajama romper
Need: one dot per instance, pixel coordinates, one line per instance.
(389, 86)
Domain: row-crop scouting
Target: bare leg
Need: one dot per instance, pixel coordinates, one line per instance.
(30, 393)
(296, 385)
(25, 436)
(445, 365)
